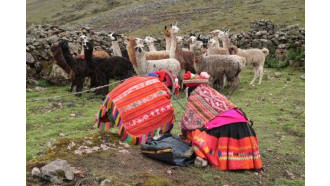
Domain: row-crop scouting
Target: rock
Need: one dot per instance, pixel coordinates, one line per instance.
(57, 76)
(32, 81)
(50, 142)
(124, 151)
(71, 145)
(61, 134)
(302, 77)
(56, 180)
(105, 182)
(169, 172)
(36, 172)
(29, 58)
(126, 145)
(289, 174)
(57, 170)
(277, 74)
(72, 115)
(38, 89)
(53, 39)
(199, 162)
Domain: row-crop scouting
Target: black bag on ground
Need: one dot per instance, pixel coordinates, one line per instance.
(169, 149)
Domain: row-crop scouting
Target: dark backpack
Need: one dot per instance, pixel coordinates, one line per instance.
(169, 149)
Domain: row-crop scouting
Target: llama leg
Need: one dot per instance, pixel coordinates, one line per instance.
(234, 84)
(255, 75)
(80, 85)
(261, 74)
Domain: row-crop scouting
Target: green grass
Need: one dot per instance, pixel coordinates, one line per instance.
(235, 15)
(277, 108)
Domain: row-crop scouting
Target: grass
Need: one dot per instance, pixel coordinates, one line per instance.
(235, 14)
(277, 108)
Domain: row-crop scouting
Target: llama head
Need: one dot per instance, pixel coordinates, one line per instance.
(192, 39)
(197, 46)
(167, 31)
(215, 32)
(149, 40)
(139, 50)
(55, 48)
(84, 39)
(129, 41)
(114, 36)
(191, 34)
(179, 39)
(88, 47)
(139, 41)
(64, 45)
(222, 34)
(174, 28)
(211, 43)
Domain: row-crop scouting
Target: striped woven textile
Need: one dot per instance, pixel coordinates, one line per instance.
(140, 107)
(204, 104)
(229, 147)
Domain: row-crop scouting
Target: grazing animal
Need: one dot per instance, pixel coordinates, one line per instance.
(224, 37)
(218, 66)
(168, 34)
(78, 66)
(97, 53)
(255, 57)
(145, 66)
(200, 38)
(150, 43)
(117, 51)
(212, 48)
(60, 61)
(179, 41)
(130, 44)
(115, 67)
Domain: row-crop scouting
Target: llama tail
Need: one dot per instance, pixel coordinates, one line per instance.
(265, 51)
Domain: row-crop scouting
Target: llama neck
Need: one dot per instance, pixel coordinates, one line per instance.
(89, 58)
(168, 42)
(226, 42)
(82, 52)
(69, 59)
(173, 45)
(62, 63)
(152, 47)
(131, 55)
(116, 48)
(190, 46)
(217, 43)
(199, 62)
(141, 62)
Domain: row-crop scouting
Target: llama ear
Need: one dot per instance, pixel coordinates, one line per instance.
(171, 24)
(165, 27)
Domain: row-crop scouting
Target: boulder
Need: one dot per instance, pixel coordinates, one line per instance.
(36, 172)
(277, 74)
(53, 39)
(29, 58)
(58, 76)
(57, 170)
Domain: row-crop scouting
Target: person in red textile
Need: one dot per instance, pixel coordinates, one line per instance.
(219, 131)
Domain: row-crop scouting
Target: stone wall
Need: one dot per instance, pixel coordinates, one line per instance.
(39, 61)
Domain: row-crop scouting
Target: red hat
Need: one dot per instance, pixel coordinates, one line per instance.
(192, 80)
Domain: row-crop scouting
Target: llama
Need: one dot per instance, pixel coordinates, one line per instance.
(168, 34)
(145, 66)
(131, 43)
(115, 43)
(150, 43)
(212, 48)
(218, 66)
(60, 61)
(97, 53)
(179, 41)
(78, 66)
(115, 67)
(255, 57)
(224, 37)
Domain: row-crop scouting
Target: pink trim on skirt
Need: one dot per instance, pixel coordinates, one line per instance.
(225, 118)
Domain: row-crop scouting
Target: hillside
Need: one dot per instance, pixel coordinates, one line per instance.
(135, 17)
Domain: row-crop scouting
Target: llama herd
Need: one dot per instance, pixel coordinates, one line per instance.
(221, 63)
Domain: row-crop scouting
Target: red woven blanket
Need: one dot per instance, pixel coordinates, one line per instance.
(204, 104)
(143, 103)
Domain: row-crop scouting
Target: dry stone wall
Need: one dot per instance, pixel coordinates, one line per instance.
(39, 38)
